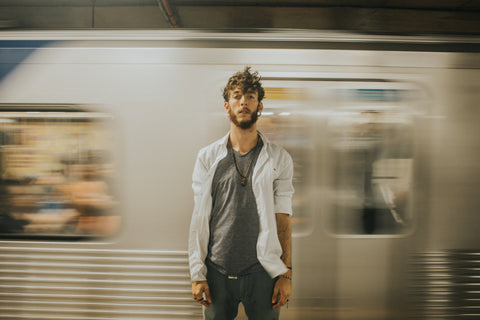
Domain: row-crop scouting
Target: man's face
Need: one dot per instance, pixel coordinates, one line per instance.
(242, 107)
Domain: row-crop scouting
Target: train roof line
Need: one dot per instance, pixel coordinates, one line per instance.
(220, 35)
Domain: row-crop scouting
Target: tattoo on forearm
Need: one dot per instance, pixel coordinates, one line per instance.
(285, 238)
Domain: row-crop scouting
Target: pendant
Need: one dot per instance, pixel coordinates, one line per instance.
(244, 182)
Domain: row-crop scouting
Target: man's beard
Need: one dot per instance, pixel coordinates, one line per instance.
(244, 124)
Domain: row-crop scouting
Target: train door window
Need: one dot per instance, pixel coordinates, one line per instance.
(370, 152)
(56, 173)
(286, 121)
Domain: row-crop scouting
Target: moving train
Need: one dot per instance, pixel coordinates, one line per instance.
(99, 131)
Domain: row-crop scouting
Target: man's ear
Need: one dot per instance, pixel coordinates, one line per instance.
(226, 106)
(260, 107)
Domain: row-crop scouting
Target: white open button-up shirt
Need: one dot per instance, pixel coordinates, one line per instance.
(273, 190)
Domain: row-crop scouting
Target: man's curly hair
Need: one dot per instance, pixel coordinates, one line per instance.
(247, 80)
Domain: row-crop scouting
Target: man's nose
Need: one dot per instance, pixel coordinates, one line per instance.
(243, 100)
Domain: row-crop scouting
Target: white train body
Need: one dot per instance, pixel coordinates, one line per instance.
(158, 94)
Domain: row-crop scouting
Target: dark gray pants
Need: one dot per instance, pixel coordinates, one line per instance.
(254, 291)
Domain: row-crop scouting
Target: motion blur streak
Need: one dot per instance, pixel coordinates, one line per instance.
(99, 132)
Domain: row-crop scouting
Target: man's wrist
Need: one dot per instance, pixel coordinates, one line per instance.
(286, 277)
(198, 281)
(288, 274)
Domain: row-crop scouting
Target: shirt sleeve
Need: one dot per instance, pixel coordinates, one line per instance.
(283, 186)
(196, 247)
(198, 177)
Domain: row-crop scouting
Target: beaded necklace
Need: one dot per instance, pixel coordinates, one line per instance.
(243, 176)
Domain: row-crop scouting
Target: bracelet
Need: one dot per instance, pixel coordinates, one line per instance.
(286, 277)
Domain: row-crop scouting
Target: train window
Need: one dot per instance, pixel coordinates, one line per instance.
(370, 151)
(56, 173)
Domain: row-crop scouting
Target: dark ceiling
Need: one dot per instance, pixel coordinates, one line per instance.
(370, 16)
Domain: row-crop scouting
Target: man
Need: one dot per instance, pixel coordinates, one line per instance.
(240, 234)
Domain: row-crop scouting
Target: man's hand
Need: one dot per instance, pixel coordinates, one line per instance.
(198, 289)
(281, 292)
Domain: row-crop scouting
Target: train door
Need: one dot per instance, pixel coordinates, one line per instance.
(292, 118)
(372, 135)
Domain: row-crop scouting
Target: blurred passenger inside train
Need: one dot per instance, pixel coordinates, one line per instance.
(373, 158)
(240, 234)
(89, 193)
(380, 210)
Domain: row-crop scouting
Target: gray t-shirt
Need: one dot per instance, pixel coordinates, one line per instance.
(234, 222)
